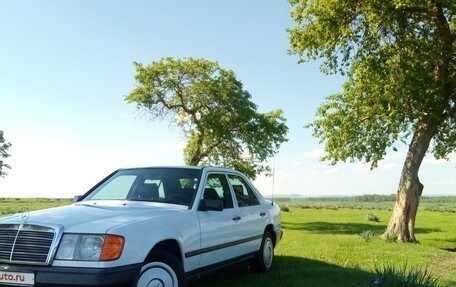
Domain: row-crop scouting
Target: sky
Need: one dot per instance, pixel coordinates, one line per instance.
(66, 67)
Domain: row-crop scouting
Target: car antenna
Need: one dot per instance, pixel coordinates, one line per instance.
(273, 181)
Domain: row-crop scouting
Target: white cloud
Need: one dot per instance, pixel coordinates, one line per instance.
(363, 167)
(53, 167)
(316, 154)
(332, 170)
(431, 160)
(175, 147)
(387, 166)
(444, 182)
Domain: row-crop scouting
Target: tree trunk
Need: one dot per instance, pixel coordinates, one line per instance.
(197, 156)
(402, 222)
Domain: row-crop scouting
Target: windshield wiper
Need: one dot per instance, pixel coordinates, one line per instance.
(155, 200)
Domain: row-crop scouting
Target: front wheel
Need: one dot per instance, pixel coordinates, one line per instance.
(265, 258)
(163, 270)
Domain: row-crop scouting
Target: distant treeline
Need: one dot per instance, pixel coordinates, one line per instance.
(365, 198)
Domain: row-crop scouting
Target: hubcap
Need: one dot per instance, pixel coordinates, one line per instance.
(157, 274)
(268, 253)
(156, 283)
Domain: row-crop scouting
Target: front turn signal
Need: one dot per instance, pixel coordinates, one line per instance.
(112, 247)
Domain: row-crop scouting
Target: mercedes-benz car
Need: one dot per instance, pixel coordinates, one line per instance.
(159, 226)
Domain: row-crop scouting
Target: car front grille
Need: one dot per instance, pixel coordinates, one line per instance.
(25, 243)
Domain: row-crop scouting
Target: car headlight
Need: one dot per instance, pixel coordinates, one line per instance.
(88, 247)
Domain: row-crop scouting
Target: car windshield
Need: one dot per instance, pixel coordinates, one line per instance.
(168, 185)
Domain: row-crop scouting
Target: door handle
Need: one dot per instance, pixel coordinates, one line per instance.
(263, 214)
(236, 218)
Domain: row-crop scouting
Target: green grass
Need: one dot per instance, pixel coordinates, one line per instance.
(322, 247)
(15, 205)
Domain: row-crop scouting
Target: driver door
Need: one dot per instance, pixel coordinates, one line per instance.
(219, 229)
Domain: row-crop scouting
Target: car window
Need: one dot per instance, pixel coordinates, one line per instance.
(158, 183)
(216, 187)
(244, 194)
(168, 185)
(117, 188)
(189, 182)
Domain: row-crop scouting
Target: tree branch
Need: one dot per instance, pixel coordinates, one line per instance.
(210, 148)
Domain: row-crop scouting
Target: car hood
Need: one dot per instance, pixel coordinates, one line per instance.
(95, 216)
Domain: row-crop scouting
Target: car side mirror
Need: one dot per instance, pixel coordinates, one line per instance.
(210, 204)
(76, 198)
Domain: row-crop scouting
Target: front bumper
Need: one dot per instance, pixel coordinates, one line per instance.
(74, 276)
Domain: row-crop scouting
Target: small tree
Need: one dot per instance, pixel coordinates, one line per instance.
(399, 58)
(3, 154)
(219, 121)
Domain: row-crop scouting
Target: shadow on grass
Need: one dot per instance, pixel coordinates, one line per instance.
(346, 228)
(446, 240)
(290, 271)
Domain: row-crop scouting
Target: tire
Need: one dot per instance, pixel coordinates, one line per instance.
(265, 258)
(162, 270)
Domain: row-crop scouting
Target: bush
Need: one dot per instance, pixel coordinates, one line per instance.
(284, 208)
(391, 276)
(372, 217)
(332, 207)
(367, 235)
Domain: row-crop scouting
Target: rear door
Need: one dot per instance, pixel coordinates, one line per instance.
(251, 212)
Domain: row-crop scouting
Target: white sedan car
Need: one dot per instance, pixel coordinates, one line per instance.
(159, 226)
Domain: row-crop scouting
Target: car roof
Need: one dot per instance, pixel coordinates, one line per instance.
(210, 168)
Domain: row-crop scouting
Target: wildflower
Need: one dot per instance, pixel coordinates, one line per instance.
(378, 281)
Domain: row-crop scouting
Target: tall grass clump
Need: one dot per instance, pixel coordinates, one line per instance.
(367, 235)
(372, 217)
(391, 237)
(391, 276)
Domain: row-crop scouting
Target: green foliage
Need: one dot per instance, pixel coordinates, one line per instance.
(375, 198)
(220, 122)
(391, 237)
(372, 217)
(3, 154)
(392, 276)
(398, 57)
(367, 235)
(284, 208)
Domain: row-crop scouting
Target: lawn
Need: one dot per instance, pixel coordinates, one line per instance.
(322, 246)
(15, 205)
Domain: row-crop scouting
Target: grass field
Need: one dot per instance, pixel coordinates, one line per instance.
(15, 205)
(322, 246)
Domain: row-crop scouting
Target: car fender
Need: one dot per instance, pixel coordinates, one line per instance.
(143, 235)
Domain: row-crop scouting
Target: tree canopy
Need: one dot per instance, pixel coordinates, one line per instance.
(399, 60)
(220, 122)
(3, 154)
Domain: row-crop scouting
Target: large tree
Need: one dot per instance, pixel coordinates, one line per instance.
(220, 122)
(399, 60)
(3, 154)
